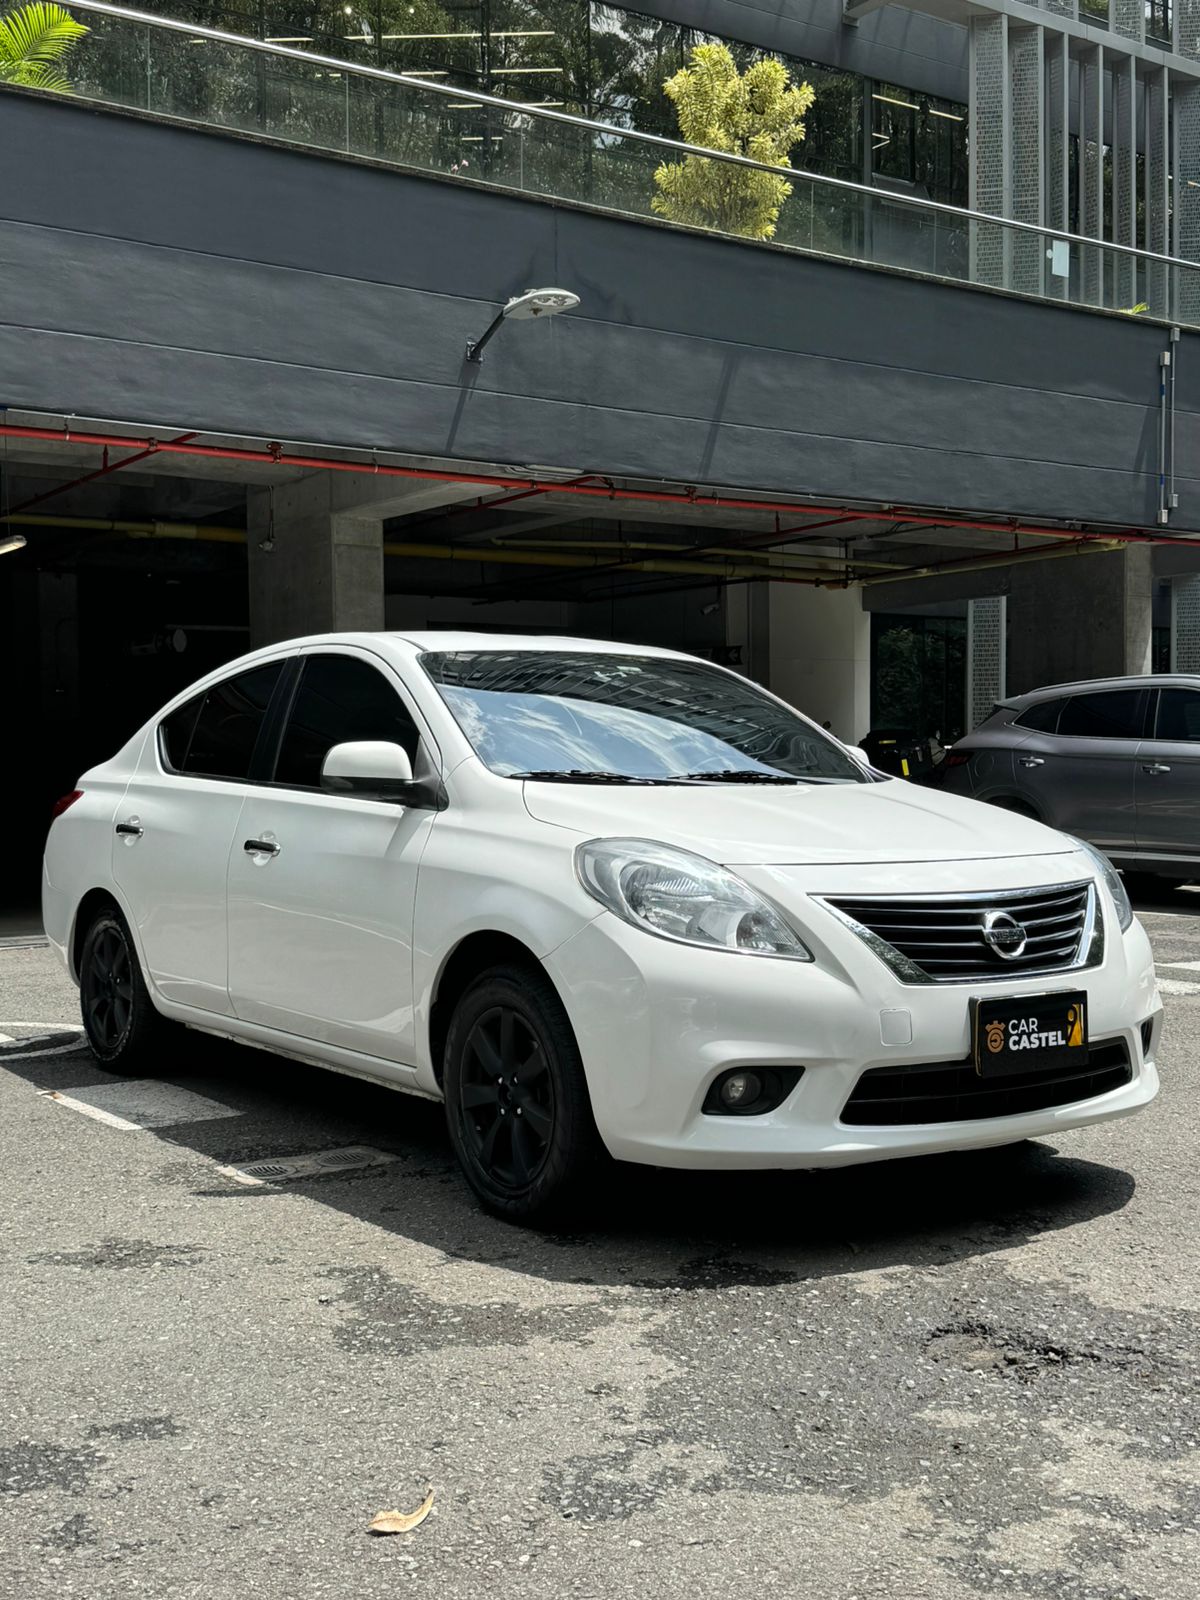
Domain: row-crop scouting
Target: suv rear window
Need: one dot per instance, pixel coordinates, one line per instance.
(1108, 714)
(1042, 717)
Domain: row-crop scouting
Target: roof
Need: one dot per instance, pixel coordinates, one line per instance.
(450, 639)
(1142, 680)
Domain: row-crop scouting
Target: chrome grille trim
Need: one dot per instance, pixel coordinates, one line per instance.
(1063, 923)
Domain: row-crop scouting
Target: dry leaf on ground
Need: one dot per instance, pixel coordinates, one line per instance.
(401, 1521)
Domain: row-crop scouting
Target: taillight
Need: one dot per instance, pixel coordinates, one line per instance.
(957, 758)
(65, 804)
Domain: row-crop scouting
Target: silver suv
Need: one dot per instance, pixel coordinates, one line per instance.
(1115, 761)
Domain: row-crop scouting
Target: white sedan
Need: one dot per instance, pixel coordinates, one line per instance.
(601, 900)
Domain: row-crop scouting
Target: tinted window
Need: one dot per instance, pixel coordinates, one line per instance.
(339, 699)
(1112, 714)
(176, 731)
(1179, 716)
(227, 727)
(1042, 718)
(581, 717)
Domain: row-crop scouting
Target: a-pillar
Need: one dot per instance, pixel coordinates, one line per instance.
(1087, 616)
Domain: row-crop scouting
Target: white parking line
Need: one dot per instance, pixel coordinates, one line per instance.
(144, 1103)
(1183, 966)
(1177, 986)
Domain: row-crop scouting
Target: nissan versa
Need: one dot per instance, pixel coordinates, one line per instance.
(598, 899)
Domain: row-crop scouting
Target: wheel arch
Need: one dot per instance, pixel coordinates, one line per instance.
(94, 900)
(472, 955)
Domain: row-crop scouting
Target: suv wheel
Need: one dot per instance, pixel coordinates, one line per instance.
(122, 1026)
(517, 1103)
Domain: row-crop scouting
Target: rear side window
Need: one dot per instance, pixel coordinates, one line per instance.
(1041, 718)
(340, 698)
(213, 736)
(1179, 716)
(1109, 714)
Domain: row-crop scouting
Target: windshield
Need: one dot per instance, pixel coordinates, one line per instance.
(574, 717)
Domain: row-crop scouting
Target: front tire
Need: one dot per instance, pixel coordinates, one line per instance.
(517, 1103)
(122, 1026)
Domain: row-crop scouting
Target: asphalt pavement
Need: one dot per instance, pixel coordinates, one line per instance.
(944, 1378)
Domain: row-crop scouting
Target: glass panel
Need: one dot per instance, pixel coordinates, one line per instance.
(1115, 714)
(1179, 716)
(1158, 20)
(1041, 718)
(228, 726)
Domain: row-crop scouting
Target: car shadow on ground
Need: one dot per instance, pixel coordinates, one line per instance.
(646, 1226)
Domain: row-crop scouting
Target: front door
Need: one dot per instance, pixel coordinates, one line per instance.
(322, 886)
(1086, 779)
(174, 828)
(1168, 778)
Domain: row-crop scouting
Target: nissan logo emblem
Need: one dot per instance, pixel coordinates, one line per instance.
(1003, 934)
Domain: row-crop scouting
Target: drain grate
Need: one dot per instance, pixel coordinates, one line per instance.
(286, 1169)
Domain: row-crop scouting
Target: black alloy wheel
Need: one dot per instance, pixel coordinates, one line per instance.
(507, 1094)
(517, 1103)
(122, 1026)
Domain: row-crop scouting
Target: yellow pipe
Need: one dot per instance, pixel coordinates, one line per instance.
(783, 559)
(550, 558)
(134, 530)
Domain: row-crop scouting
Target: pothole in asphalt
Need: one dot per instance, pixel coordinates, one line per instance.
(980, 1346)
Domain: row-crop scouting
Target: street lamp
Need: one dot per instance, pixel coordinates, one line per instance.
(11, 541)
(522, 308)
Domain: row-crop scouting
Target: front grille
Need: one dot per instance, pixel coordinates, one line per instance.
(902, 1096)
(941, 938)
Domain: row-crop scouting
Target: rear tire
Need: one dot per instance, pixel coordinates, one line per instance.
(124, 1030)
(517, 1103)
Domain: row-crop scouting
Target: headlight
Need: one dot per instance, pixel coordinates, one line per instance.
(1111, 877)
(677, 895)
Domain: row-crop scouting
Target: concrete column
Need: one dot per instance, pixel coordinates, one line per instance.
(1089, 617)
(987, 650)
(820, 642)
(312, 567)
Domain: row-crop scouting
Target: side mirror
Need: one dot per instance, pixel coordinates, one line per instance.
(373, 769)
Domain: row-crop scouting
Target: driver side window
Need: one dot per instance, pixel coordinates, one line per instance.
(339, 698)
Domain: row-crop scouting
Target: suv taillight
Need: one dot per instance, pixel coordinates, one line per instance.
(65, 804)
(957, 758)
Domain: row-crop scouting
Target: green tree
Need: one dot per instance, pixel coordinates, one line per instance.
(757, 113)
(33, 41)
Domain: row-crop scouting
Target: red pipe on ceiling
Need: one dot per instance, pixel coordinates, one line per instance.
(277, 456)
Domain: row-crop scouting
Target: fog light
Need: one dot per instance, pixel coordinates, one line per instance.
(750, 1091)
(740, 1089)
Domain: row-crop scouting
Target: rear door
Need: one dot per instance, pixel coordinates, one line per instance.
(1168, 777)
(1089, 764)
(173, 830)
(321, 919)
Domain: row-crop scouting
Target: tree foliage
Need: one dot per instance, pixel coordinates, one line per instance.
(758, 113)
(33, 41)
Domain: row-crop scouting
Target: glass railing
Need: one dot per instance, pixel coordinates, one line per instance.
(173, 69)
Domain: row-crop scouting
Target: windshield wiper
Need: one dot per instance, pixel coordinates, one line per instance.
(744, 775)
(583, 775)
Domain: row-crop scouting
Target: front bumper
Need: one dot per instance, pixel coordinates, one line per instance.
(657, 1021)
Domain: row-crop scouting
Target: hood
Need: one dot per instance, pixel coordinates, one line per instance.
(797, 826)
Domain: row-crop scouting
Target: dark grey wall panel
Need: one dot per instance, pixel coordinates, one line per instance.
(173, 277)
(895, 44)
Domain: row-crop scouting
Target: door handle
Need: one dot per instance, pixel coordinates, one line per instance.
(130, 830)
(1154, 768)
(261, 847)
(1033, 761)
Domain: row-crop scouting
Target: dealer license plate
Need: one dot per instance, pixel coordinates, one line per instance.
(1029, 1032)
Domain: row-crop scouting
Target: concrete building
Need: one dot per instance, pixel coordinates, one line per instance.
(893, 461)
